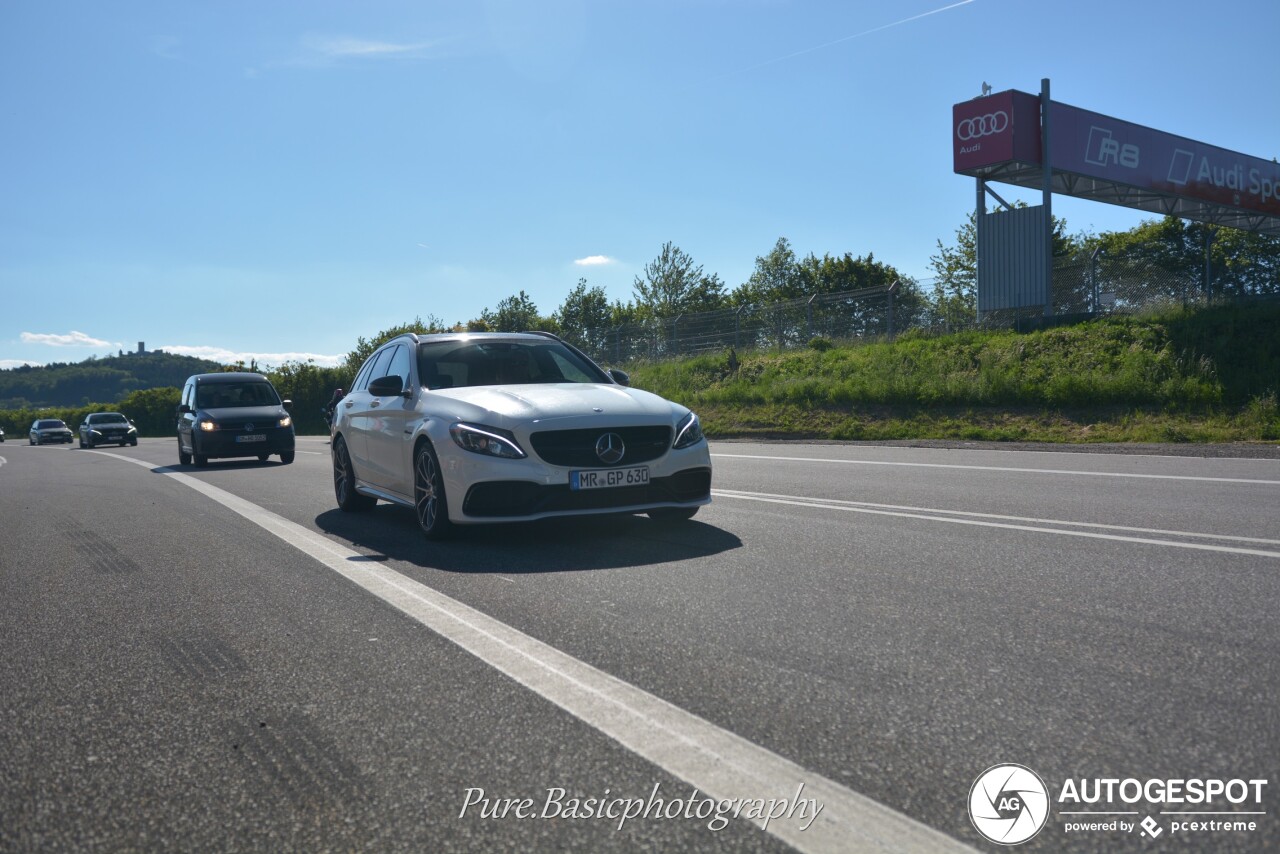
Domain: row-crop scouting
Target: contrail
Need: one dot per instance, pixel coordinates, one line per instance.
(844, 39)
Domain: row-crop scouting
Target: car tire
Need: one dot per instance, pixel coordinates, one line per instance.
(673, 514)
(262, 458)
(196, 457)
(133, 443)
(344, 481)
(184, 458)
(91, 445)
(286, 457)
(82, 441)
(429, 505)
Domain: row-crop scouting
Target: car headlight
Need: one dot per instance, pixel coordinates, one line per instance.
(208, 426)
(133, 429)
(286, 421)
(688, 432)
(486, 440)
(94, 432)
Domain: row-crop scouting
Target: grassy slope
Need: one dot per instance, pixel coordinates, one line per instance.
(1206, 375)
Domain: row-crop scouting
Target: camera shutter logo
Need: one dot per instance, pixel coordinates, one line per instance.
(1008, 804)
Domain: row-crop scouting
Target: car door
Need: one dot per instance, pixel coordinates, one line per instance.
(186, 419)
(389, 417)
(358, 411)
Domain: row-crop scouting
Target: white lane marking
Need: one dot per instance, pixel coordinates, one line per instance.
(929, 515)
(1000, 468)
(733, 493)
(719, 763)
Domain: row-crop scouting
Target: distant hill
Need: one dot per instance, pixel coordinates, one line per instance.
(104, 380)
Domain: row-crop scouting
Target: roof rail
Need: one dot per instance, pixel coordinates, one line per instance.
(545, 334)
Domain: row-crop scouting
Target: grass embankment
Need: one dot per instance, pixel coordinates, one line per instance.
(1209, 375)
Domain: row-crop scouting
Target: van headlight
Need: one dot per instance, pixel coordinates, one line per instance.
(285, 421)
(688, 432)
(208, 425)
(489, 441)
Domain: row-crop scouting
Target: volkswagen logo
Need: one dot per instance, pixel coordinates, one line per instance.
(609, 448)
(980, 126)
(248, 426)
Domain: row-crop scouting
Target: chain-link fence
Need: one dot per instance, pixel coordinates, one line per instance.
(1082, 288)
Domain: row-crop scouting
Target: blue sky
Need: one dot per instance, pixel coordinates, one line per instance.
(274, 180)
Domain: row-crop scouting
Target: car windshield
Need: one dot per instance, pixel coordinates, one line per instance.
(236, 394)
(49, 425)
(455, 364)
(107, 418)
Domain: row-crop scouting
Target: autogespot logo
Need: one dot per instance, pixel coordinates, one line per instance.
(1008, 804)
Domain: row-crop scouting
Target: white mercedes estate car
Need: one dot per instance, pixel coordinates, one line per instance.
(473, 428)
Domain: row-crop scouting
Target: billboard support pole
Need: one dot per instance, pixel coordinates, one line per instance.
(1047, 188)
(979, 214)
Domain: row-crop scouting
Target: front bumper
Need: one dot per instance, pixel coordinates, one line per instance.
(53, 438)
(221, 444)
(121, 438)
(521, 499)
(482, 490)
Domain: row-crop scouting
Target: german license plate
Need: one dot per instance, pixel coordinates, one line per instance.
(252, 437)
(607, 478)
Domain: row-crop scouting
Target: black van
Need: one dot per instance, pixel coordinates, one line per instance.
(233, 415)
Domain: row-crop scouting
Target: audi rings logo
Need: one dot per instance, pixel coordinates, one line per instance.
(609, 448)
(1008, 804)
(980, 126)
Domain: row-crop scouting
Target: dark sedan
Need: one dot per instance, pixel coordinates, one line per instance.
(107, 428)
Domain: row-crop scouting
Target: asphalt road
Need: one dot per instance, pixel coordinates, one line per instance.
(219, 660)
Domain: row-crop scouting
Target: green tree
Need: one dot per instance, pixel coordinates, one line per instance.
(365, 346)
(673, 284)
(776, 277)
(585, 317)
(1166, 257)
(516, 313)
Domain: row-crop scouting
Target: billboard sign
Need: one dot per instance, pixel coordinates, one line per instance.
(1004, 129)
(1099, 146)
(996, 129)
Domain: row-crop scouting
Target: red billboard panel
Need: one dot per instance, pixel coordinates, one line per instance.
(996, 129)
(1099, 146)
(1004, 129)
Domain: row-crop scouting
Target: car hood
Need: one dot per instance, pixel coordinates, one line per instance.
(265, 414)
(53, 429)
(560, 402)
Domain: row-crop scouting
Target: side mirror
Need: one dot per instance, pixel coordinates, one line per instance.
(620, 377)
(183, 409)
(391, 385)
(287, 404)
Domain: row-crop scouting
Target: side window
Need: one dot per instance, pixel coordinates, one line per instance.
(399, 365)
(370, 370)
(188, 394)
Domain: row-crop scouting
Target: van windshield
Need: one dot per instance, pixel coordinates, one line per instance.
(231, 395)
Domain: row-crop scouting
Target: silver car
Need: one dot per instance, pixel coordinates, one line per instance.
(47, 430)
(495, 427)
